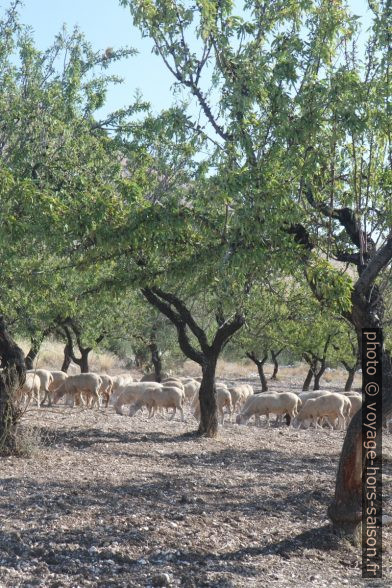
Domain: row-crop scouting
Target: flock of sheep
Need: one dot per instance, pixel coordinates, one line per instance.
(316, 408)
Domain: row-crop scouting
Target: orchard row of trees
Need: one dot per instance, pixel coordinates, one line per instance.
(256, 212)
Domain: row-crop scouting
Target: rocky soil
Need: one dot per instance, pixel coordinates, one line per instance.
(111, 501)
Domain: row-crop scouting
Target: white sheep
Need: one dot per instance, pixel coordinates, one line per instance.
(267, 403)
(29, 389)
(118, 382)
(75, 386)
(304, 396)
(356, 404)
(172, 381)
(223, 400)
(106, 388)
(185, 379)
(333, 405)
(162, 397)
(239, 393)
(45, 378)
(190, 389)
(58, 377)
(152, 378)
(129, 393)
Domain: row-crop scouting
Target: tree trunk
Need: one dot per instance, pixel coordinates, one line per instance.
(11, 378)
(36, 342)
(207, 356)
(260, 368)
(350, 379)
(346, 509)
(207, 396)
(275, 362)
(156, 361)
(263, 379)
(308, 380)
(33, 352)
(140, 357)
(318, 375)
(67, 359)
(82, 361)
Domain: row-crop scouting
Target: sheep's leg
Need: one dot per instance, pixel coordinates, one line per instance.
(341, 420)
(221, 415)
(267, 417)
(173, 414)
(118, 409)
(316, 424)
(182, 413)
(97, 398)
(28, 397)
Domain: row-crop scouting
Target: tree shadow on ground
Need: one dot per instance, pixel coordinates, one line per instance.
(84, 438)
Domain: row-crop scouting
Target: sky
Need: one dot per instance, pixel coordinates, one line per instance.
(106, 24)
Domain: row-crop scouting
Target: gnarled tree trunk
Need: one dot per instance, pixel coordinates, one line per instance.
(207, 354)
(207, 395)
(260, 368)
(346, 509)
(274, 356)
(12, 377)
(36, 342)
(67, 359)
(156, 362)
(318, 375)
(69, 354)
(350, 379)
(33, 352)
(308, 379)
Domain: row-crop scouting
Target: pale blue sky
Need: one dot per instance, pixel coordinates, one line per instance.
(106, 24)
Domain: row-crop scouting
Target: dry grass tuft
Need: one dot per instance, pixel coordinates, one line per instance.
(51, 357)
(104, 362)
(28, 441)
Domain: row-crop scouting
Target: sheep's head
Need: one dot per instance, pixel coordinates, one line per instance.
(132, 410)
(296, 422)
(58, 393)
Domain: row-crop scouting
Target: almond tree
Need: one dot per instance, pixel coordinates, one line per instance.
(302, 123)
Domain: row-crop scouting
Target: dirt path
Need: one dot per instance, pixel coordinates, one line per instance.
(111, 501)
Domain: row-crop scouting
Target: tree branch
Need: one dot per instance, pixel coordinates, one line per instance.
(227, 330)
(187, 348)
(186, 316)
(374, 267)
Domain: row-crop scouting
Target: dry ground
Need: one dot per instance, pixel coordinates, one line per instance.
(111, 501)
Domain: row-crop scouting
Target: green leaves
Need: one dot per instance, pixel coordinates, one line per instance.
(330, 286)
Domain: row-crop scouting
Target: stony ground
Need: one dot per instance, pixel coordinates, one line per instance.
(111, 501)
